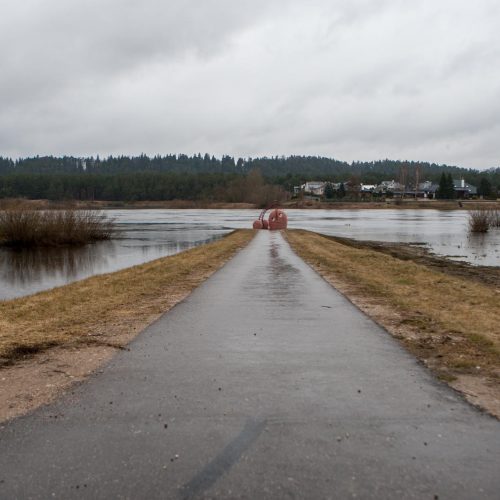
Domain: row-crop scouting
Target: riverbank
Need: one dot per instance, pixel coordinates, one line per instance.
(394, 204)
(409, 204)
(121, 205)
(446, 313)
(54, 338)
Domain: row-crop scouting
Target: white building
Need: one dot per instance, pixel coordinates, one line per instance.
(316, 188)
(391, 186)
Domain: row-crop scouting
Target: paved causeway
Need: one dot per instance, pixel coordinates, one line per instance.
(264, 383)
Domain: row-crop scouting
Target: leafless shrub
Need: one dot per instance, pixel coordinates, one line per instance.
(494, 217)
(479, 221)
(23, 227)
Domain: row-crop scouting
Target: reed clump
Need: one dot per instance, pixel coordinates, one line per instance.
(494, 217)
(21, 227)
(479, 221)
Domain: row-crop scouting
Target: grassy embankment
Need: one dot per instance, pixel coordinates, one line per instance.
(451, 322)
(110, 308)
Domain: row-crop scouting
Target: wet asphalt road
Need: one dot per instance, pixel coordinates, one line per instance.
(264, 383)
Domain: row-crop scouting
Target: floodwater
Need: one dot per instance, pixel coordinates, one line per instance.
(144, 235)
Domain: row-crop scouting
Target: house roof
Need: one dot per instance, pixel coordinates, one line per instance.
(457, 184)
(314, 184)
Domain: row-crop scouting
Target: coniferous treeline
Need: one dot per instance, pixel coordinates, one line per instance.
(198, 176)
(114, 187)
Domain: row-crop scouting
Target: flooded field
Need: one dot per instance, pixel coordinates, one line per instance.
(144, 235)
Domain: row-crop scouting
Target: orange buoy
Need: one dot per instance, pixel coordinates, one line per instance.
(278, 219)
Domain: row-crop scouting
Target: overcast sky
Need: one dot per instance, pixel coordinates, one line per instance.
(350, 79)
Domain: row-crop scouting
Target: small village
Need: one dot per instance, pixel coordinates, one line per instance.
(386, 189)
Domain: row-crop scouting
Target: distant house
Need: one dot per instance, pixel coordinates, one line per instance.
(367, 188)
(389, 187)
(464, 190)
(315, 188)
(424, 189)
(427, 189)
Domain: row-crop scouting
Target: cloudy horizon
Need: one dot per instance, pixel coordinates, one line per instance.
(353, 80)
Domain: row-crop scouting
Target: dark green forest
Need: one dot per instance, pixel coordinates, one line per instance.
(203, 177)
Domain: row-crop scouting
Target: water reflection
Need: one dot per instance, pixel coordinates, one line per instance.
(23, 272)
(145, 235)
(21, 267)
(444, 233)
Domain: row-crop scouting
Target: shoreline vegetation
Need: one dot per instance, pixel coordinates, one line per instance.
(408, 203)
(23, 227)
(481, 220)
(445, 313)
(54, 337)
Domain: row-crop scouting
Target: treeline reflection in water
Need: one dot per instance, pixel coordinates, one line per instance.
(19, 267)
(151, 233)
(27, 271)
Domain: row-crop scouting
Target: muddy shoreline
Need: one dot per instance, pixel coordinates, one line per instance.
(489, 275)
(407, 204)
(445, 313)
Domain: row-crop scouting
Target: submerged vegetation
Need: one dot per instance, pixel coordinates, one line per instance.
(21, 227)
(494, 217)
(481, 220)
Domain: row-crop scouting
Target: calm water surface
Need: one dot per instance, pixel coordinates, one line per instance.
(145, 235)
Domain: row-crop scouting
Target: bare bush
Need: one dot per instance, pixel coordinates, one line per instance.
(494, 217)
(23, 227)
(479, 221)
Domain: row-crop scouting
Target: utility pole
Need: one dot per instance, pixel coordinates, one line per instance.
(417, 172)
(402, 179)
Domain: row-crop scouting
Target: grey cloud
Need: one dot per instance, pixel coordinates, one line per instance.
(357, 79)
(47, 45)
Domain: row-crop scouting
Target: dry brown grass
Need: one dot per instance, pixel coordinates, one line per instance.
(395, 203)
(21, 203)
(100, 309)
(494, 217)
(22, 227)
(479, 221)
(450, 322)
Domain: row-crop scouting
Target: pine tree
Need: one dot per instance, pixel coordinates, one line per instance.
(442, 190)
(450, 188)
(329, 192)
(484, 188)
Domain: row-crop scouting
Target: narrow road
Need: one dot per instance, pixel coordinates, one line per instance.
(264, 383)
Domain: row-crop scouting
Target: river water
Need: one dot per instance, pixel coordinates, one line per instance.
(144, 235)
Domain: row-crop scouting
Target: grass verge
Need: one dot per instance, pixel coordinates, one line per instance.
(98, 310)
(449, 322)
